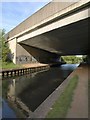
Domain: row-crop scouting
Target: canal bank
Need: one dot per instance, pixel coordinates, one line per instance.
(79, 105)
(33, 89)
(26, 69)
(9, 109)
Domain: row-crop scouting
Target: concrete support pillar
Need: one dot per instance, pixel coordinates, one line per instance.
(12, 46)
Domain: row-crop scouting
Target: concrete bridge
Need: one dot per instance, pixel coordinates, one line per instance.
(59, 28)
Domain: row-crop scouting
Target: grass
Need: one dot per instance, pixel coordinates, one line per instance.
(10, 65)
(61, 106)
(88, 94)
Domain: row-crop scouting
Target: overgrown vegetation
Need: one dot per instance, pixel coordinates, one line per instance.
(72, 59)
(5, 52)
(4, 47)
(61, 106)
(10, 65)
(86, 59)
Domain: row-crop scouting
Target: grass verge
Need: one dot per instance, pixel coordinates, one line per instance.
(61, 106)
(10, 65)
(88, 97)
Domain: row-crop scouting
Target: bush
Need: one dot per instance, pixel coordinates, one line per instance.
(72, 59)
(5, 51)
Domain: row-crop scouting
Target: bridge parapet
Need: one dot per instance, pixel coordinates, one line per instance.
(51, 11)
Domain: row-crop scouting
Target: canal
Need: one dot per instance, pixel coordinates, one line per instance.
(25, 93)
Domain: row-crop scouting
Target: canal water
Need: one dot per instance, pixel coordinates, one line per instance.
(25, 93)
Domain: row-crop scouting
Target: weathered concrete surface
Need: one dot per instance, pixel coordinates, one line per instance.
(41, 55)
(18, 54)
(70, 39)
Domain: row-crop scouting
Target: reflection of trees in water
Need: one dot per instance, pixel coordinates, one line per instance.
(11, 90)
(33, 89)
(42, 85)
(5, 84)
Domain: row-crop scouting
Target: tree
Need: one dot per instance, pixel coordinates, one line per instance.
(4, 49)
(86, 59)
(72, 59)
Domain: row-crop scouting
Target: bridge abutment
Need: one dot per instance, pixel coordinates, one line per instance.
(18, 54)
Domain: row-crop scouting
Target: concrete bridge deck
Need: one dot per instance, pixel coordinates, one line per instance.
(46, 15)
(59, 28)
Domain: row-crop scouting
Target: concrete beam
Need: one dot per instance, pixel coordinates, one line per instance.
(60, 23)
(73, 7)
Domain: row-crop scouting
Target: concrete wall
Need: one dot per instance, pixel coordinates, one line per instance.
(12, 46)
(18, 54)
(23, 56)
(41, 55)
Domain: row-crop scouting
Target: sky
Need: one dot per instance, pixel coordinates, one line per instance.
(13, 13)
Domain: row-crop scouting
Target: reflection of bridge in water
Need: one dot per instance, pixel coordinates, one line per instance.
(31, 91)
(59, 28)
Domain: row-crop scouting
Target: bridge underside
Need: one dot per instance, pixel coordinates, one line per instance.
(71, 39)
(40, 55)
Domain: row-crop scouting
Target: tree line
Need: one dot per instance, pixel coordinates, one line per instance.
(4, 48)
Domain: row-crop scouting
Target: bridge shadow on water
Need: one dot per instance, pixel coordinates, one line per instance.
(43, 84)
(33, 89)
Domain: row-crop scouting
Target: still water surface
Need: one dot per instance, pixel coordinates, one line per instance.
(33, 89)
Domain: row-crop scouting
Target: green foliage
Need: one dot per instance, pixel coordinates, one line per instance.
(86, 59)
(72, 59)
(10, 65)
(61, 106)
(4, 47)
